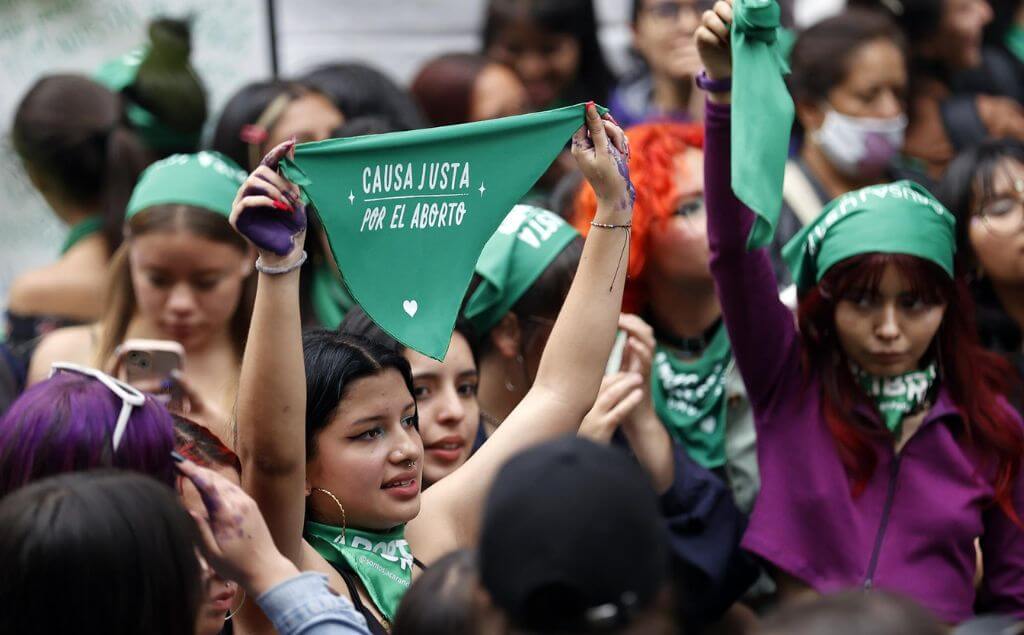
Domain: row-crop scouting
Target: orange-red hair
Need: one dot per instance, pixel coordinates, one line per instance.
(652, 168)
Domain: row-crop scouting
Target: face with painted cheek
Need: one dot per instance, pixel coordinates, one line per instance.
(995, 230)
(311, 117)
(221, 596)
(370, 456)
(187, 287)
(449, 413)
(679, 249)
(545, 61)
(886, 331)
(497, 92)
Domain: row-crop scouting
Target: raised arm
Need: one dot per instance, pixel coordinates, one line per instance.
(573, 362)
(272, 388)
(762, 330)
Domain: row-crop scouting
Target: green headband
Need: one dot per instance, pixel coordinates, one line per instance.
(514, 257)
(120, 73)
(895, 218)
(206, 179)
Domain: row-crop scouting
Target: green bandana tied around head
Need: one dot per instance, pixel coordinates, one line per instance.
(205, 179)
(894, 218)
(408, 213)
(80, 230)
(762, 114)
(898, 396)
(689, 397)
(120, 73)
(382, 560)
(519, 251)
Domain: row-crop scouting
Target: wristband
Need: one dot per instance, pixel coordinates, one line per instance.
(273, 271)
(704, 82)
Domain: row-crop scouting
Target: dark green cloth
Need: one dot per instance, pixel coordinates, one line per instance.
(80, 230)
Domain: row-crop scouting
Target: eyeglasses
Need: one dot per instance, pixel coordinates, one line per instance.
(130, 395)
(1005, 214)
(667, 11)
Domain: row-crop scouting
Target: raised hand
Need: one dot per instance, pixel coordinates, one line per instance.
(712, 38)
(618, 397)
(602, 152)
(268, 211)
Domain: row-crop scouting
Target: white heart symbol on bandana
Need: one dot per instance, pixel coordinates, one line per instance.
(411, 306)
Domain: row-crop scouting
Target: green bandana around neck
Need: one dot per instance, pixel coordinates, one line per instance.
(894, 218)
(762, 114)
(408, 213)
(205, 179)
(689, 397)
(897, 396)
(1015, 41)
(382, 560)
(514, 257)
(80, 230)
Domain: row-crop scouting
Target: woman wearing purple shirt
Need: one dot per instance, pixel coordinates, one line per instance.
(885, 445)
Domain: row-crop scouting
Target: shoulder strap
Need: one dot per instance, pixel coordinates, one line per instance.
(799, 194)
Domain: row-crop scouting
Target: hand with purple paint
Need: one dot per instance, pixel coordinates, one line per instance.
(601, 150)
(235, 538)
(268, 211)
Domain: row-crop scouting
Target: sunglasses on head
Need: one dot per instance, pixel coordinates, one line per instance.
(130, 396)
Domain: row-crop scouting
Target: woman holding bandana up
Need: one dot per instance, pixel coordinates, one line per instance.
(329, 444)
(885, 443)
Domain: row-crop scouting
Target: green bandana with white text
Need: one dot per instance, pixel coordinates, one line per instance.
(408, 213)
(382, 560)
(689, 397)
(897, 396)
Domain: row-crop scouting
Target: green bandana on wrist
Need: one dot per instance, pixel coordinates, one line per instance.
(408, 213)
(515, 256)
(206, 179)
(895, 218)
(689, 398)
(762, 114)
(898, 396)
(120, 73)
(80, 230)
(382, 560)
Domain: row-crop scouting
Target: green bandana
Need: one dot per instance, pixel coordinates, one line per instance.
(895, 218)
(381, 560)
(206, 179)
(408, 213)
(519, 251)
(328, 295)
(1015, 41)
(117, 75)
(689, 397)
(80, 230)
(762, 114)
(896, 397)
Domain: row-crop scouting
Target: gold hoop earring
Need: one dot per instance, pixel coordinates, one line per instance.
(341, 508)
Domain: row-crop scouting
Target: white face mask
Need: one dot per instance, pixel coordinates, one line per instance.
(860, 147)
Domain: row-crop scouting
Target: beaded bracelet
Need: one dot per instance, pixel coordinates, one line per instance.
(611, 226)
(262, 268)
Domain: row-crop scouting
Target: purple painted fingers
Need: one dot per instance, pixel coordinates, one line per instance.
(268, 210)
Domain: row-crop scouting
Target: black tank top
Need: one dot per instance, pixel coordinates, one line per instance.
(372, 623)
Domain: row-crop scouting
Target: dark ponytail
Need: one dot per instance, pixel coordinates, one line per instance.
(70, 133)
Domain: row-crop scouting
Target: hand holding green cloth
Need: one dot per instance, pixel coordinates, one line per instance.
(894, 218)
(205, 179)
(382, 560)
(515, 256)
(762, 114)
(408, 213)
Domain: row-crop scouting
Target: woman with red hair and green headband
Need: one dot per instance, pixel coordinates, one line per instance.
(697, 392)
(885, 443)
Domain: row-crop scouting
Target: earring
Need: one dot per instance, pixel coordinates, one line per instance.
(341, 508)
(410, 464)
(509, 386)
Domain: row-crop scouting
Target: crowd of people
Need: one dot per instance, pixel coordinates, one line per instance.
(670, 411)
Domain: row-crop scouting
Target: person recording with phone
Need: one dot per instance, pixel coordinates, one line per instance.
(182, 277)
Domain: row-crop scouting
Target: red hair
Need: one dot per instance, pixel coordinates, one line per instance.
(652, 168)
(975, 378)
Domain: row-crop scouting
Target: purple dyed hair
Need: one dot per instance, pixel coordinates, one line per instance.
(66, 423)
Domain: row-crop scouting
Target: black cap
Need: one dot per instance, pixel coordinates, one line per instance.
(572, 539)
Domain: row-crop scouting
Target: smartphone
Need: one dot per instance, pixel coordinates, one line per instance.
(150, 362)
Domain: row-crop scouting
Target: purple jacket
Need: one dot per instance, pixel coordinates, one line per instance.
(912, 530)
